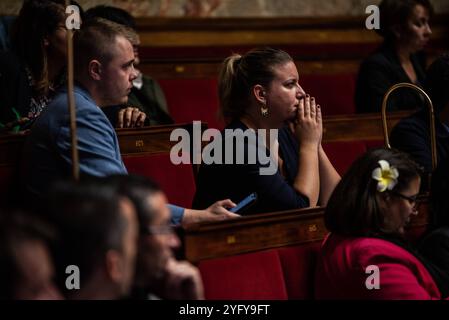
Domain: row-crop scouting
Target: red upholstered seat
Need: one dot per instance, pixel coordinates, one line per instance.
(334, 92)
(176, 181)
(298, 266)
(192, 99)
(252, 276)
(342, 154)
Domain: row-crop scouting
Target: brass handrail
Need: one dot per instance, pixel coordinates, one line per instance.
(433, 141)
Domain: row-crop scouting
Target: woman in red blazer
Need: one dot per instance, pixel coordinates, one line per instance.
(365, 255)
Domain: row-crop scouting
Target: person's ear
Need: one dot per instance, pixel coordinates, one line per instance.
(114, 266)
(384, 200)
(95, 69)
(260, 94)
(46, 42)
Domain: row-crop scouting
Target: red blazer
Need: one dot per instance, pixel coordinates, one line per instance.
(343, 261)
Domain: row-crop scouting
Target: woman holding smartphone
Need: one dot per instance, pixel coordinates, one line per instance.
(260, 90)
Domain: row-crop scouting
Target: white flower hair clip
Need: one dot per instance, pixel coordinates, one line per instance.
(386, 175)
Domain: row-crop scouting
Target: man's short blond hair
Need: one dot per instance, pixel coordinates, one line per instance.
(95, 40)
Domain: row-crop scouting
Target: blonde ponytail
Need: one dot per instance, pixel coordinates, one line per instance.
(239, 74)
(226, 83)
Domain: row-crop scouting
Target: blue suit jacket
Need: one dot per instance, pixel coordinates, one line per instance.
(47, 152)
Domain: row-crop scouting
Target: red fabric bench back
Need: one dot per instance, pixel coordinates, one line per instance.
(284, 273)
(334, 92)
(192, 99)
(176, 181)
(277, 274)
(253, 276)
(343, 154)
(298, 266)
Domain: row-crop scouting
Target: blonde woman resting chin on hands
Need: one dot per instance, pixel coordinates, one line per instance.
(260, 95)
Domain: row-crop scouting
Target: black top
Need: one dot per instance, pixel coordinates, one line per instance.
(17, 95)
(237, 181)
(381, 71)
(434, 247)
(412, 135)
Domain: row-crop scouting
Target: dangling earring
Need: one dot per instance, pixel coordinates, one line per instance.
(264, 110)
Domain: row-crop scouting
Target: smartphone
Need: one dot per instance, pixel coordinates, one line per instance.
(245, 203)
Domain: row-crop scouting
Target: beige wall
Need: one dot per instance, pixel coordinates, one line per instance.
(233, 8)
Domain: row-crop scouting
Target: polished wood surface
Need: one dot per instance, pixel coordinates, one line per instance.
(156, 139)
(358, 126)
(195, 47)
(207, 37)
(265, 231)
(178, 32)
(253, 233)
(210, 68)
(133, 142)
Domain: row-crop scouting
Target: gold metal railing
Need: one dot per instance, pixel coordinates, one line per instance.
(433, 144)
